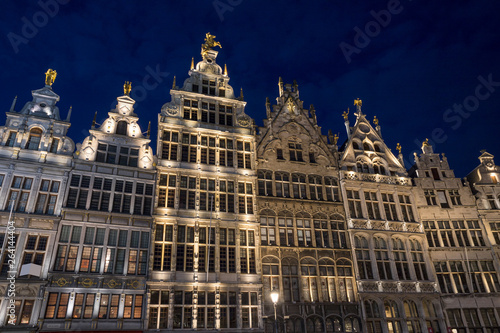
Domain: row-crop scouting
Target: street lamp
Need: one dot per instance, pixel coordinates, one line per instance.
(274, 297)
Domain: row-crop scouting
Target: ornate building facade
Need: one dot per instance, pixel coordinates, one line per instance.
(109, 237)
(305, 248)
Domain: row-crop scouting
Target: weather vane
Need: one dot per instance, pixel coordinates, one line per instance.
(50, 77)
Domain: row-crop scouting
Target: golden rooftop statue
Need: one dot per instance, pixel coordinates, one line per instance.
(375, 120)
(209, 43)
(127, 87)
(50, 77)
(335, 139)
(426, 143)
(358, 102)
(398, 147)
(345, 114)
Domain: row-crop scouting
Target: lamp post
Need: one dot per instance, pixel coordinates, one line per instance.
(274, 297)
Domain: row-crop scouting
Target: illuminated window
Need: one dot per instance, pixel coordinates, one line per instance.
(158, 309)
(169, 145)
(34, 139)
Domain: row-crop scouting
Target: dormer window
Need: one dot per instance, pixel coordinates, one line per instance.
(34, 139)
(121, 127)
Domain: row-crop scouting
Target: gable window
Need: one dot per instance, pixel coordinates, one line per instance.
(190, 110)
(121, 127)
(295, 150)
(11, 139)
(106, 153)
(442, 199)
(34, 139)
(435, 174)
(169, 145)
(279, 154)
(19, 194)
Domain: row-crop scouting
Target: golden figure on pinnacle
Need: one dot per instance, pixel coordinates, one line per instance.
(375, 120)
(398, 147)
(50, 77)
(345, 114)
(127, 87)
(209, 43)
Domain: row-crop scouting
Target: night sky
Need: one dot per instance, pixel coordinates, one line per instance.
(425, 69)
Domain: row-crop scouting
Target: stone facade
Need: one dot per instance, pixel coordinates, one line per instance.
(111, 237)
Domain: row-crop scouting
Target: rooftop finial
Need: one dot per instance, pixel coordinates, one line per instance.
(225, 70)
(173, 84)
(127, 87)
(192, 63)
(93, 121)
(375, 120)
(50, 77)
(398, 148)
(209, 43)
(241, 98)
(69, 113)
(13, 104)
(346, 114)
(149, 130)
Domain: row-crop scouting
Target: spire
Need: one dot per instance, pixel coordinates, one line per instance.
(13, 105)
(192, 63)
(295, 86)
(225, 70)
(69, 113)
(241, 98)
(268, 108)
(280, 85)
(377, 126)
(93, 121)
(173, 84)
(149, 130)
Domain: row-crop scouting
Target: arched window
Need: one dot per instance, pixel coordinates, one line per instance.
(417, 255)
(309, 286)
(430, 313)
(363, 258)
(282, 181)
(315, 325)
(412, 316)
(327, 276)
(351, 324)
(270, 276)
(299, 186)
(34, 139)
(382, 170)
(265, 182)
(399, 251)
(286, 229)
(290, 273)
(304, 231)
(373, 316)
(377, 148)
(393, 316)
(295, 325)
(268, 227)
(346, 281)
(375, 168)
(359, 166)
(366, 146)
(121, 127)
(382, 259)
(355, 145)
(333, 325)
(365, 168)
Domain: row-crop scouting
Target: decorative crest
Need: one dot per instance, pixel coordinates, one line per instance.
(127, 87)
(209, 43)
(50, 77)
(398, 148)
(375, 120)
(345, 114)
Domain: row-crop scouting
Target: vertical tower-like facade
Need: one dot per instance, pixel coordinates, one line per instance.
(395, 280)
(35, 159)
(305, 249)
(205, 247)
(98, 270)
(460, 245)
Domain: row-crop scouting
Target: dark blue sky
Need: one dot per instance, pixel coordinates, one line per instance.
(422, 68)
